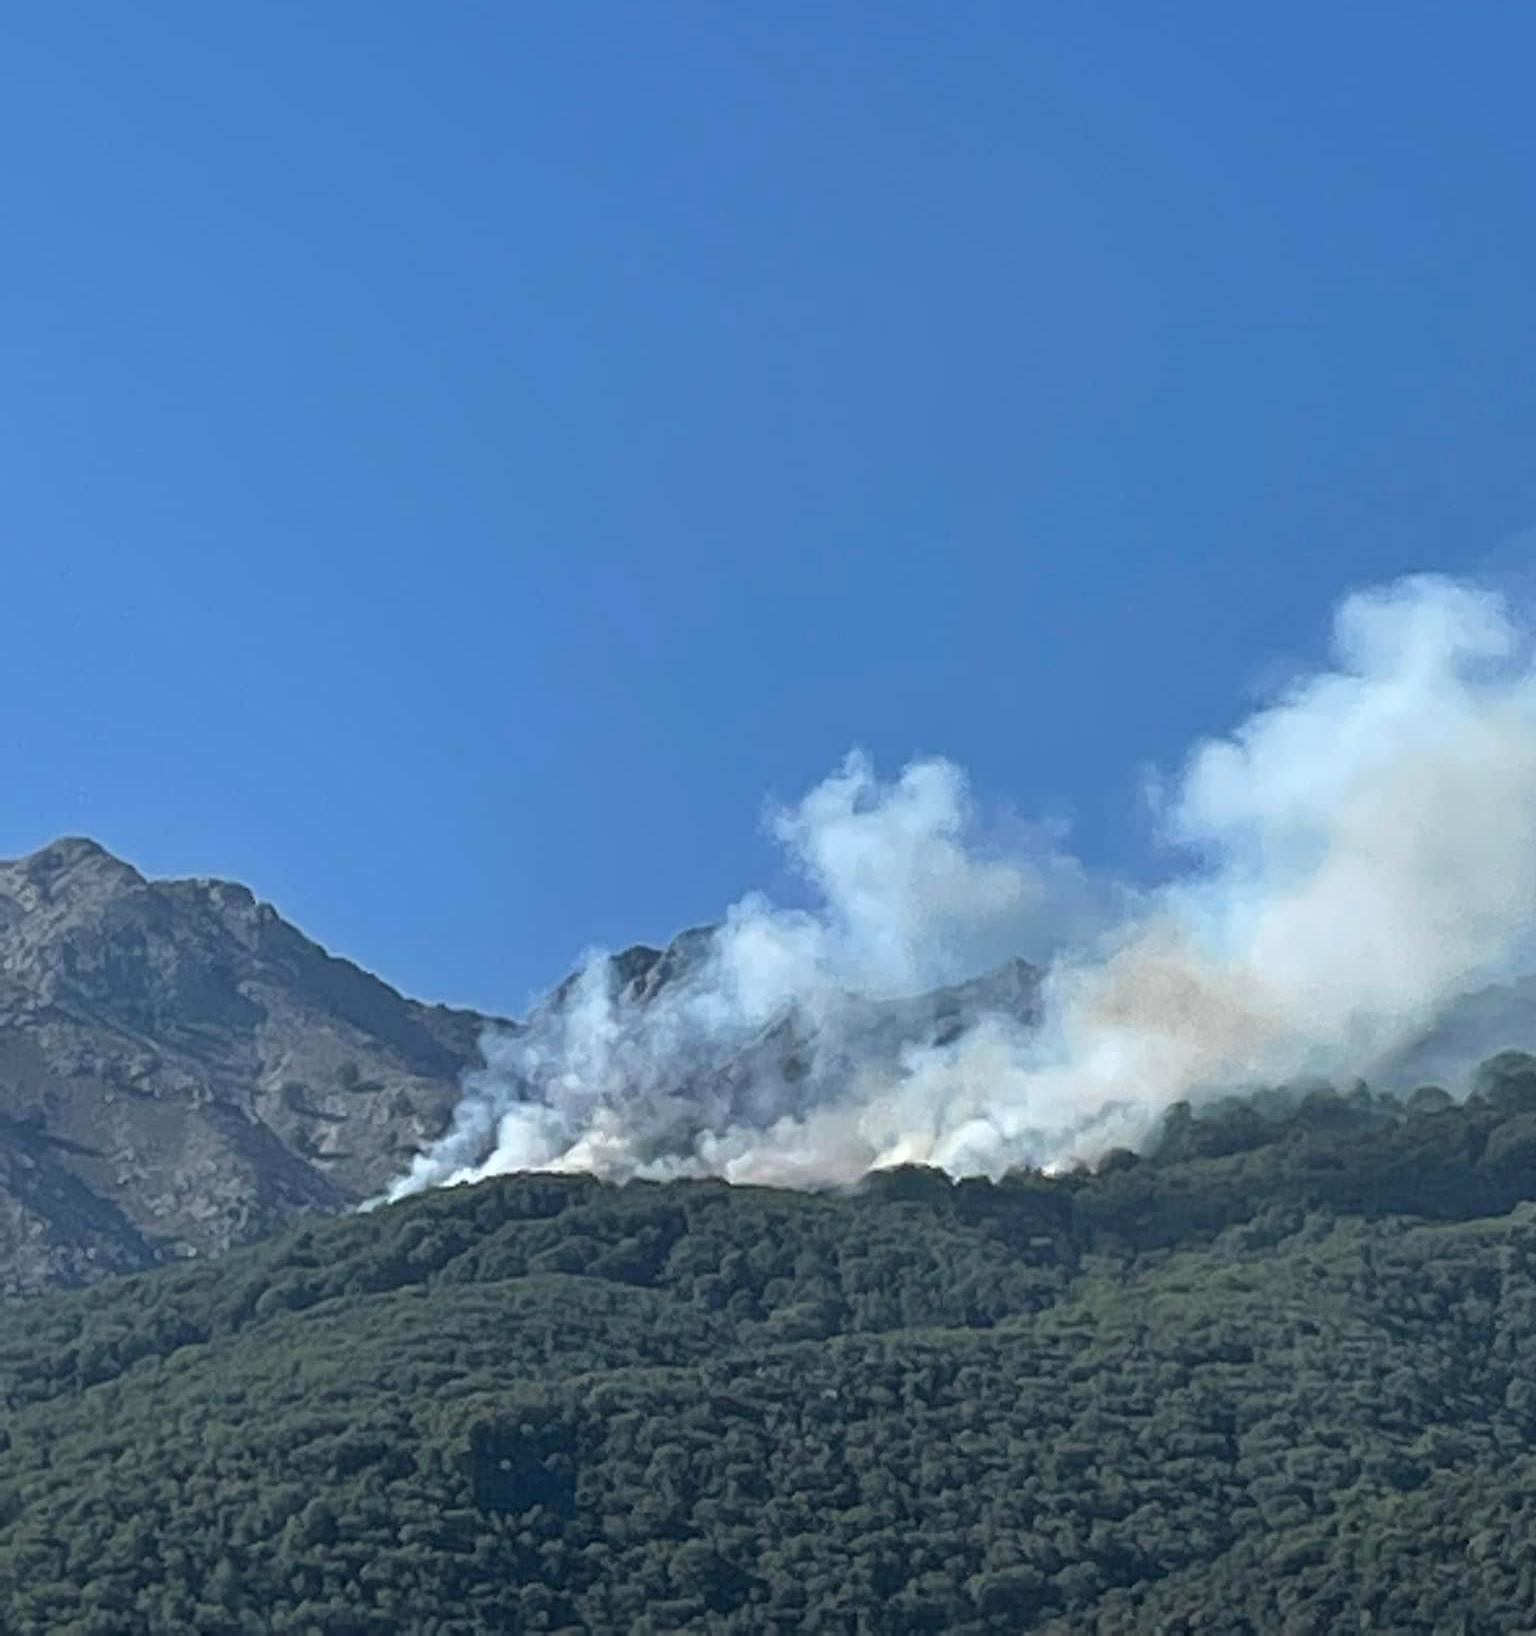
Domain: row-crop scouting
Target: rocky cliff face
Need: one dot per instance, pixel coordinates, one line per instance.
(180, 1070)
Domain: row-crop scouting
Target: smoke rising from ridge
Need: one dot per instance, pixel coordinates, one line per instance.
(1363, 853)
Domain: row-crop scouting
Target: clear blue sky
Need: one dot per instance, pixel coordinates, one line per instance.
(457, 460)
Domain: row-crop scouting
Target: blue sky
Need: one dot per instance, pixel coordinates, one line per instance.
(457, 461)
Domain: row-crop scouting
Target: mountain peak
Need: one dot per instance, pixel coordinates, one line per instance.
(70, 870)
(181, 1069)
(70, 852)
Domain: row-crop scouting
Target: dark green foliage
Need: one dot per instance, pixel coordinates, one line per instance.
(1277, 1375)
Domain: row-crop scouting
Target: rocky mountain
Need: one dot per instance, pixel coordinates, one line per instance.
(181, 1070)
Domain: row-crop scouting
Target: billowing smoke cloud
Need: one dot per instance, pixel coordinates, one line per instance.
(1363, 852)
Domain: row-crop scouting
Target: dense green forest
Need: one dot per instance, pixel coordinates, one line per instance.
(1277, 1375)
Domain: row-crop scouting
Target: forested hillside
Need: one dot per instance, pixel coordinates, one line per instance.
(1280, 1375)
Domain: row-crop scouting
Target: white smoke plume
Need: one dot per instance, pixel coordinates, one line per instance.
(1364, 853)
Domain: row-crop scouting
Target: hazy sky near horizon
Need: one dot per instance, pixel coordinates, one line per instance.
(456, 462)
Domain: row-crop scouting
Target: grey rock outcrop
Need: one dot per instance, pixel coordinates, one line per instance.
(181, 1070)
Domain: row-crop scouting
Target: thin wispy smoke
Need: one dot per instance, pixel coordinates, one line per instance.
(1363, 852)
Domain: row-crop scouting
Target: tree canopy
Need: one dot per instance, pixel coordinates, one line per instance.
(1279, 1374)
